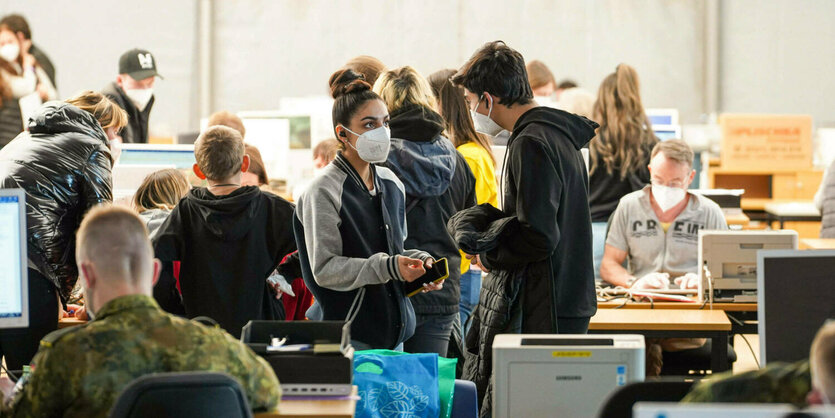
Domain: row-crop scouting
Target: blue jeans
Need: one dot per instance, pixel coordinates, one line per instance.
(431, 334)
(598, 231)
(470, 291)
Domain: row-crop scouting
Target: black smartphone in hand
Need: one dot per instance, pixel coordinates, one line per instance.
(438, 272)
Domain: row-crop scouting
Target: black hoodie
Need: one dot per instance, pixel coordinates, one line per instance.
(546, 191)
(227, 246)
(438, 183)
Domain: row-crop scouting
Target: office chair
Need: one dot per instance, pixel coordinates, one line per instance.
(190, 394)
(620, 403)
(464, 400)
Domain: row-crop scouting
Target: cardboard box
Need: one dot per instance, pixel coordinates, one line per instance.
(773, 142)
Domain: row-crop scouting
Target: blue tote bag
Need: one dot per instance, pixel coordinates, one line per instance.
(404, 386)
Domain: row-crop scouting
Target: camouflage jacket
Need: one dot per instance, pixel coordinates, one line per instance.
(80, 371)
(776, 383)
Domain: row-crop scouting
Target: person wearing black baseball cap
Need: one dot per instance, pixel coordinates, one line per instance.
(133, 91)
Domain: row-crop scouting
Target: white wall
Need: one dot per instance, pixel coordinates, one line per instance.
(299, 44)
(776, 56)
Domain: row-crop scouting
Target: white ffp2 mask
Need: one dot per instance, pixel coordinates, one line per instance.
(667, 197)
(484, 123)
(372, 146)
(10, 52)
(140, 97)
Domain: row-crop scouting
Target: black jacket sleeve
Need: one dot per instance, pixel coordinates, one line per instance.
(533, 169)
(168, 248)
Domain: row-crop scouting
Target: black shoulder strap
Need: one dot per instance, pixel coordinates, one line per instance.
(412, 205)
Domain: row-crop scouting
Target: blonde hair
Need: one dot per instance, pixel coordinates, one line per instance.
(219, 152)
(228, 119)
(822, 359)
(625, 131)
(539, 75)
(676, 150)
(402, 87)
(326, 149)
(109, 114)
(161, 189)
(116, 241)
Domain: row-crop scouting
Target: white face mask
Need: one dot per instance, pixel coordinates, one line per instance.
(372, 146)
(140, 97)
(483, 123)
(10, 52)
(667, 197)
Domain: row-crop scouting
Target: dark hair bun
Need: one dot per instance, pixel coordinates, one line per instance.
(347, 81)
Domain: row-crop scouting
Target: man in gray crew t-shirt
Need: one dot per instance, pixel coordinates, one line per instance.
(657, 228)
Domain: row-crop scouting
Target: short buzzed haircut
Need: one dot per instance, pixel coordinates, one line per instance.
(229, 119)
(219, 152)
(676, 150)
(115, 240)
(499, 70)
(822, 359)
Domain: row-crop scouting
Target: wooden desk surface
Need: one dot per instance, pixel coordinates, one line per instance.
(737, 219)
(310, 409)
(817, 244)
(667, 320)
(728, 307)
(70, 322)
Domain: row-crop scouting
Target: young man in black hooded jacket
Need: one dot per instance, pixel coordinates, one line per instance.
(545, 193)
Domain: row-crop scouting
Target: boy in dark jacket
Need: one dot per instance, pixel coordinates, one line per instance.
(546, 241)
(227, 238)
(545, 186)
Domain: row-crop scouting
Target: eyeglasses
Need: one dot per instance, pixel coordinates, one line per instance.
(673, 184)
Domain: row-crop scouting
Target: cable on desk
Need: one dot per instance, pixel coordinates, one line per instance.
(740, 323)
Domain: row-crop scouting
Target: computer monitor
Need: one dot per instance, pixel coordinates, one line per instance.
(667, 132)
(179, 156)
(14, 284)
(718, 410)
(731, 259)
(795, 298)
(662, 116)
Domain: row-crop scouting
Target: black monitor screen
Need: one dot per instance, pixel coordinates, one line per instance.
(797, 297)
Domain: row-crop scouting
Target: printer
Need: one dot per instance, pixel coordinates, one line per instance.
(315, 358)
(728, 262)
(541, 375)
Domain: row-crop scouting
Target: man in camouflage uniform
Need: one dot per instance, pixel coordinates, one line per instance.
(797, 383)
(80, 371)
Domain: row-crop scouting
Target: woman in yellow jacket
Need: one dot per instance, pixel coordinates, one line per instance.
(476, 150)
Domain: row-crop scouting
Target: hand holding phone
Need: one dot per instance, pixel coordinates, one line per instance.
(435, 275)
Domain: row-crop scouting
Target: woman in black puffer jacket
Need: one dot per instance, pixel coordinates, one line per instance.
(63, 163)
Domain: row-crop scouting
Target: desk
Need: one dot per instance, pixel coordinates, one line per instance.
(792, 212)
(70, 322)
(817, 244)
(308, 409)
(671, 323)
(727, 307)
(737, 219)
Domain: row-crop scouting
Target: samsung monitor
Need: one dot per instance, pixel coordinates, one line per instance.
(796, 295)
(14, 297)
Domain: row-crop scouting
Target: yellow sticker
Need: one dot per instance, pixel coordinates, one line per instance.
(571, 353)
